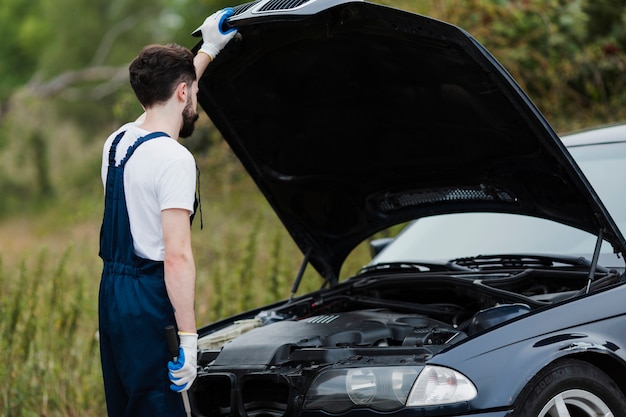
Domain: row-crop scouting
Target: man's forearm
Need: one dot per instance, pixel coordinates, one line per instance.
(180, 282)
(180, 270)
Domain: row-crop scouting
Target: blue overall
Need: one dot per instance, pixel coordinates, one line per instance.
(133, 309)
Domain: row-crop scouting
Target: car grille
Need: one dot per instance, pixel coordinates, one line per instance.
(242, 8)
(283, 4)
(220, 395)
(271, 5)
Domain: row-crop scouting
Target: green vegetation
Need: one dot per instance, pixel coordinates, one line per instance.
(57, 104)
(49, 340)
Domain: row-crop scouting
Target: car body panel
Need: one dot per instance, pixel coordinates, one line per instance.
(412, 413)
(543, 337)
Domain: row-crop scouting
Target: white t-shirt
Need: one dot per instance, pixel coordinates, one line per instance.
(161, 174)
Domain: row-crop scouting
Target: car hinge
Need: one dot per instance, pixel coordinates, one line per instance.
(296, 284)
(594, 261)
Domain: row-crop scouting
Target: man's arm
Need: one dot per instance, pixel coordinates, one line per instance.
(180, 282)
(201, 62)
(180, 270)
(215, 36)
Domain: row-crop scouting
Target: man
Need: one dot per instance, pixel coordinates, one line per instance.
(148, 278)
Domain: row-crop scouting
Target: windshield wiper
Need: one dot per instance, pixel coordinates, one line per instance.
(525, 260)
(414, 265)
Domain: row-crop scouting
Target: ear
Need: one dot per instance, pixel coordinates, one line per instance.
(182, 90)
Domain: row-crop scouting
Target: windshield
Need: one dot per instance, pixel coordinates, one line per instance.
(451, 236)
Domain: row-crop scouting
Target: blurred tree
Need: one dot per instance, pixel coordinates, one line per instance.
(567, 54)
(78, 51)
(64, 66)
(606, 18)
(603, 69)
(17, 62)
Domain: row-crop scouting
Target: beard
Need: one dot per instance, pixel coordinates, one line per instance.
(190, 115)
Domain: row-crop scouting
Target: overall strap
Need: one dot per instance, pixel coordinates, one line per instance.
(113, 148)
(138, 142)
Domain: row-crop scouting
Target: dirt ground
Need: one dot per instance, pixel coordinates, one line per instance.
(22, 239)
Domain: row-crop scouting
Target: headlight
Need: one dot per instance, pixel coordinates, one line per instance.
(379, 388)
(387, 388)
(361, 385)
(437, 385)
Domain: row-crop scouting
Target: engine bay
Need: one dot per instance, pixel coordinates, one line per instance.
(261, 363)
(430, 311)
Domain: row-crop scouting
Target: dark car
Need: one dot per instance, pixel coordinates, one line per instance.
(503, 296)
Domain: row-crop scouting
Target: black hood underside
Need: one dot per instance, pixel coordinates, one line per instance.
(360, 116)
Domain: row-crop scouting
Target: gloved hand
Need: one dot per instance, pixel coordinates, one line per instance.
(183, 371)
(213, 36)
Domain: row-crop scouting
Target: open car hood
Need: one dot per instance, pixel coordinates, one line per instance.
(352, 117)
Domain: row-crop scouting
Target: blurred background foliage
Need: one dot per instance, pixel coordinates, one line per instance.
(64, 88)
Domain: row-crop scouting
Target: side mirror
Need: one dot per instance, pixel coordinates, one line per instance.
(377, 245)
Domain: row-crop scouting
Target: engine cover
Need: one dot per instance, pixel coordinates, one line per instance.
(275, 343)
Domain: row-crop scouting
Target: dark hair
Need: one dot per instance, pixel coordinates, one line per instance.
(158, 69)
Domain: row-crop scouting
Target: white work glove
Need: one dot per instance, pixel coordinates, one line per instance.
(214, 38)
(184, 370)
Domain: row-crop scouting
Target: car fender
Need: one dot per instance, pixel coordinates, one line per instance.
(502, 361)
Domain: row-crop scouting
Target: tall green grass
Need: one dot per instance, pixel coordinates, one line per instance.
(48, 340)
